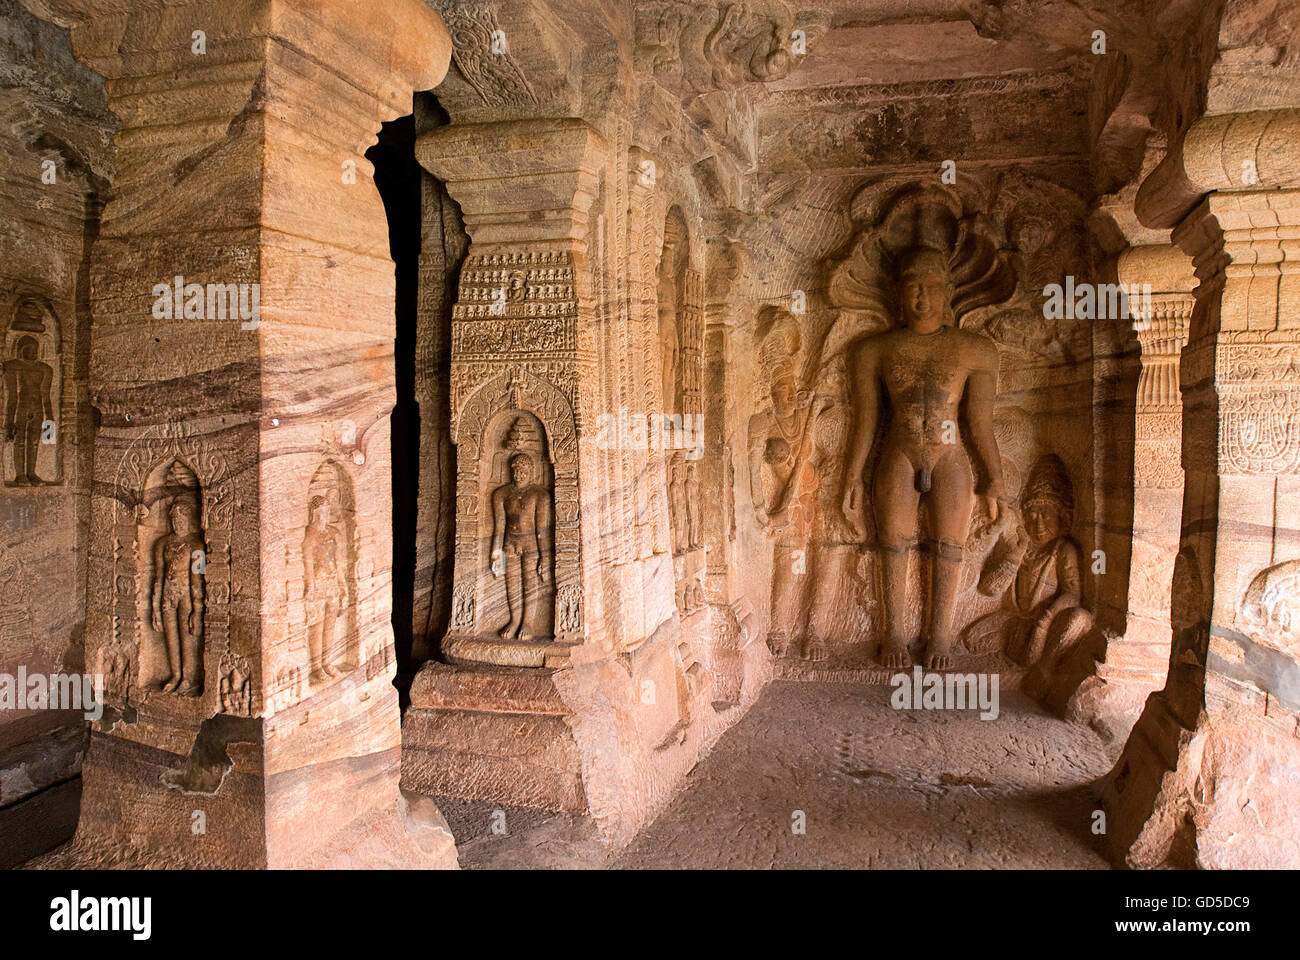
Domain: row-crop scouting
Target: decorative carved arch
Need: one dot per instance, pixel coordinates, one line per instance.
(516, 388)
(118, 641)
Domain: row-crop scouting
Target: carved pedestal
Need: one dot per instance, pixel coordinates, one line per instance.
(485, 731)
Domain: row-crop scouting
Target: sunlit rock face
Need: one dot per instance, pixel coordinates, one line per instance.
(476, 406)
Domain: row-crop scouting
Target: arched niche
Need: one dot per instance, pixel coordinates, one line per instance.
(171, 579)
(32, 348)
(329, 569)
(514, 412)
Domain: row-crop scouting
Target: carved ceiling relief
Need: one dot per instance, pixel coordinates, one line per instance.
(724, 45)
(481, 55)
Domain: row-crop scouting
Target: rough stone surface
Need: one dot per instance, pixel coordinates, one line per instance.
(880, 788)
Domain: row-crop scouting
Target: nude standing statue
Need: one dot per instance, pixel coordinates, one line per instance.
(27, 387)
(326, 590)
(178, 599)
(937, 383)
(522, 532)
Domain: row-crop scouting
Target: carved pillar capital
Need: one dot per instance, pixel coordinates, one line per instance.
(520, 183)
(1226, 152)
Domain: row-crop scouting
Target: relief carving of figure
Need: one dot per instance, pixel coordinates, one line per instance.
(785, 466)
(178, 598)
(678, 504)
(1040, 570)
(934, 385)
(693, 519)
(523, 533)
(28, 405)
(325, 588)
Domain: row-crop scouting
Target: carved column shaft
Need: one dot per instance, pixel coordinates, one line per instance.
(1205, 765)
(233, 176)
(1157, 468)
(523, 341)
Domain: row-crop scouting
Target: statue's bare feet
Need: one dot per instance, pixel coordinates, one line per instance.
(188, 689)
(814, 649)
(508, 633)
(330, 670)
(171, 685)
(894, 656)
(318, 676)
(778, 643)
(937, 657)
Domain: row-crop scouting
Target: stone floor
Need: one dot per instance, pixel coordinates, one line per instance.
(877, 787)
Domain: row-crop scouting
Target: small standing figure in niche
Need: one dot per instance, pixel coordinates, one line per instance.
(179, 559)
(28, 408)
(522, 532)
(326, 589)
(1046, 618)
(783, 448)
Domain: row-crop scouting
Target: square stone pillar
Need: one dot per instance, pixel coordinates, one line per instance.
(1135, 664)
(1208, 775)
(593, 706)
(521, 357)
(242, 500)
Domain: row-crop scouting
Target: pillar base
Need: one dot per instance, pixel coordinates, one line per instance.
(485, 732)
(1224, 794)
(506, 653)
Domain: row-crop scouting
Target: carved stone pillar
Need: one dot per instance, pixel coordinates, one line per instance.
(523, 388)
(517, 369)
(242, 299)
(1208, 772)
(1157, 466)
(1135, 664)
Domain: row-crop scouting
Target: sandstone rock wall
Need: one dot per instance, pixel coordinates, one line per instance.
(56, 164)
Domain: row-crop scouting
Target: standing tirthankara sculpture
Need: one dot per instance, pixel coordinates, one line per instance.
(28, 408)
(523, 535)
(31, 389)
(325, 590)
(938, 451)
(178, 598)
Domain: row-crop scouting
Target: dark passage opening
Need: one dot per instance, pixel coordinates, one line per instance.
(428, 243)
